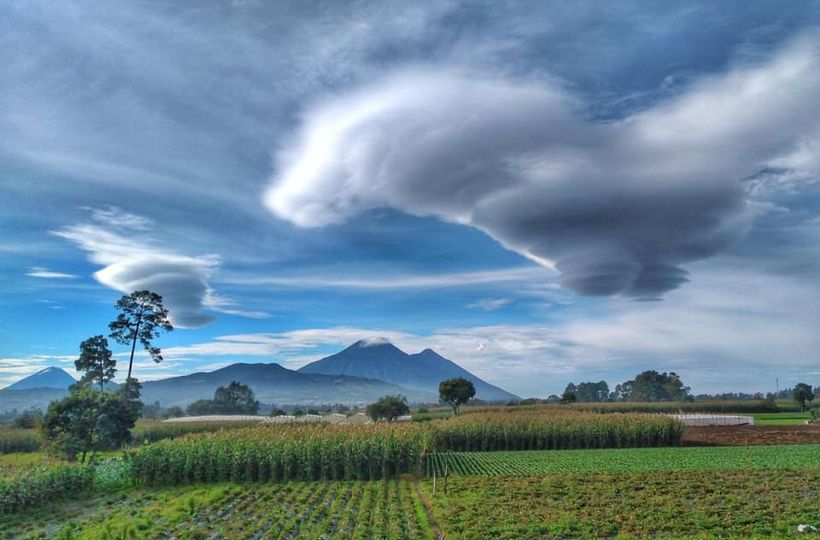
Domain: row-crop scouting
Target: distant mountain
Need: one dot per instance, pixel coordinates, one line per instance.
(273, 383)
(384, 361)
(50, 377)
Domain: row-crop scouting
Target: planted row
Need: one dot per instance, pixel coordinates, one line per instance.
(19, 440)
(328, 452)
(38, 485)
(289, 452)
(539, 430)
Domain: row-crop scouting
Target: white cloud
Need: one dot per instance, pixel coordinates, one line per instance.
(618, 208)
(45, 273)
(133, 261)
(490, 304)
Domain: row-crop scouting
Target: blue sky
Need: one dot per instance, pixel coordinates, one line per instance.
(540, 191)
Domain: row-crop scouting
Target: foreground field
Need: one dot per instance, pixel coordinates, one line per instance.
(355, 510)
(690, 504)
(627, 460)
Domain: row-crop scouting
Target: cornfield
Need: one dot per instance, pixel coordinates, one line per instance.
(280, 453)
(37, 485)
(19, 440)
(537, 430)
(371, 452)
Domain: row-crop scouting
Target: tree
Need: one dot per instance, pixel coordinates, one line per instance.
(142, 317)
(388, 408)
(88, 420)
(174, 412)
(653, 386)
(803, 393)
(456, 392)
(96, 362)
(569, 396)
(236, 398)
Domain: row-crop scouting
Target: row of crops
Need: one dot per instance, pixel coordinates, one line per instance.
(36, 485)
(626, 460)
(14, 440)
(764, 503)
(327, 452)
(327, 510)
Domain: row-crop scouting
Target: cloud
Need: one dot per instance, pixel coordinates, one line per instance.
(417, 281)
(45, 273)
(490, 304)
(617, 208)
(133, 261)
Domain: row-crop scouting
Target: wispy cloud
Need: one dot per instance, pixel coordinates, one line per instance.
(417, 281)
(490, 304)
(44, 273)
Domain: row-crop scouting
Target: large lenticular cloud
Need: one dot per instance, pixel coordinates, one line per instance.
(616, 208)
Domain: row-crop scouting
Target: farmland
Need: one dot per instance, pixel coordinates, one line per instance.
(526, 472)
(628, 460)
(699, 504)
(685, 504)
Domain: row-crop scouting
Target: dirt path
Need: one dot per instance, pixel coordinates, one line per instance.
(428, 509)
(752, 435)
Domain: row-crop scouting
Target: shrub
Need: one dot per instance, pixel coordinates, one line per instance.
(19, 440)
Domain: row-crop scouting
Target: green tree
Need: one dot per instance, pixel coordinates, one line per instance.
(88, 420)
(653, 386)
(803, 394)
(201, 407)
(388, 408)
(456, 392)
(96, 362)
(142, 316)
(569, 395)
(236, 398)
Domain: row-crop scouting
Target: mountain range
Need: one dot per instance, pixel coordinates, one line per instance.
(356, 375)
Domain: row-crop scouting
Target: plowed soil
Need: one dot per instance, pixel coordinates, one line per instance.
(742, 435)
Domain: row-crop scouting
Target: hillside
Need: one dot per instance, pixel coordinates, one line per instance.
(273, 383)
(384, 361)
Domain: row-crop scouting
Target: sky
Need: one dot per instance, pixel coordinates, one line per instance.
(543, 192)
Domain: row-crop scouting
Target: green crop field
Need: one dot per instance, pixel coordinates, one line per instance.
(781, 418)
(685, 504)
(356, 510)
(628, 460)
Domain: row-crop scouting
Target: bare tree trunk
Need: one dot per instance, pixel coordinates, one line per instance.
(133, 346)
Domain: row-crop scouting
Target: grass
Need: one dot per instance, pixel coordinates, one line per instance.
(357, 510)
(629, 460)
(781, 418)
(684, 504)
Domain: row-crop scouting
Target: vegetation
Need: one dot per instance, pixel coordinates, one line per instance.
(328, 510)
(315, 452)
(627, 460)
(803, 394)
(236, 398)
(652, 386)
(96, 362)
(19, 440)
(536, 430)
(36, 485)
(142, 316)
(388, 408)
(686, 504)
(89, 420)
(456, 392)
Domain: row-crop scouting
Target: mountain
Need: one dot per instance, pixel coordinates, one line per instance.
(384, 361)
(50, 377)
(273, 383)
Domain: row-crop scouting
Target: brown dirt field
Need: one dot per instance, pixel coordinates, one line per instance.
(754, 435)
